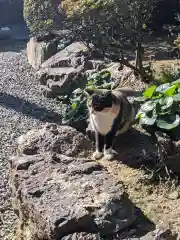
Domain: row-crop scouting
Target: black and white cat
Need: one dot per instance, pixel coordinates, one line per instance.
(110, 114)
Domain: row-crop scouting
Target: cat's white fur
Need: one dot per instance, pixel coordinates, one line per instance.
(97, 154)
(108, 154)
(103, 121)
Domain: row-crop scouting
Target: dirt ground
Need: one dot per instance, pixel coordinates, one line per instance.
(154, 200)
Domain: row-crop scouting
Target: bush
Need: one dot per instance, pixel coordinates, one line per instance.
(41, 16)
(71, 7)
(111, 26)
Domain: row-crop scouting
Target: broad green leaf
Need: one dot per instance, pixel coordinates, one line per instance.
(148, 106)
(106, 75)
(162, 87)
(176, 97)
(139, 114)
(164, 113)
(145, 120)
(168, 122)
(157, 95)
(166, 102)
(170, 91)
(149, 92)
(106, 86)
(144, 26)
(74, 106)
(140, 99)
(175, 82)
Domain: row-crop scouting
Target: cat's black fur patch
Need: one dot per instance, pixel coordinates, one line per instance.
(99, 100)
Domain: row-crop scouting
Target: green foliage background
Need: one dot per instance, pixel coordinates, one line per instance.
(41, 16)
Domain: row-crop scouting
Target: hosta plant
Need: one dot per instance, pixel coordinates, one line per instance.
(160, 107)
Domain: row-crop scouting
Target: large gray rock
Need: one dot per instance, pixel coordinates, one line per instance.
(62, 80)
(38, 52)
(66, 70)
(64, 57)
(62, 140)
(60, 194)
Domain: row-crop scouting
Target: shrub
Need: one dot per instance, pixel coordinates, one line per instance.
(112, 26)
(41, 16)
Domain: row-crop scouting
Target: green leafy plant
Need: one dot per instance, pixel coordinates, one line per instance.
(76, 108)
(100, 79)
(160, 106)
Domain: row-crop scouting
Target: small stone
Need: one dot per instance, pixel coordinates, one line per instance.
(174, 195)
(5, 32)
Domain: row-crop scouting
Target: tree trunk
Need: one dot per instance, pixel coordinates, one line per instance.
(139, 57)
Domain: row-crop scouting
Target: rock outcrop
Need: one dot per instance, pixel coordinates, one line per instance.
(61, 72)
(69, 68)
(60, 193)
(38, 52)
(66, 70)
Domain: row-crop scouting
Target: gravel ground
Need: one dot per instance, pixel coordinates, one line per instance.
(22, 107)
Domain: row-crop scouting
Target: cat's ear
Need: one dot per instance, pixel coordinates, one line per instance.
(89, 91)
(108, 93)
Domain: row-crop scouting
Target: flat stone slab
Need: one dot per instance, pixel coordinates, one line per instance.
(63, 57)
(61, 80)
(56, 195)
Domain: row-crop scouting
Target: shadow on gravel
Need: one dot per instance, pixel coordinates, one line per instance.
(11, 45)
(28, 109)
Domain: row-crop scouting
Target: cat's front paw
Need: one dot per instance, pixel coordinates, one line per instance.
(108, 155)
(97, 155)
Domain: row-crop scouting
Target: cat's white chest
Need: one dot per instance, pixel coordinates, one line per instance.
(102, 121)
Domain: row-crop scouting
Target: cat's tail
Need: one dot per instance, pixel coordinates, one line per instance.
(129, 92)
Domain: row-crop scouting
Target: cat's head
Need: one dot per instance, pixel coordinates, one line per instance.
(99, 99)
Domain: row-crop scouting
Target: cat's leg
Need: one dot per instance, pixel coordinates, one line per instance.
(108, 150)
(99, 145)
